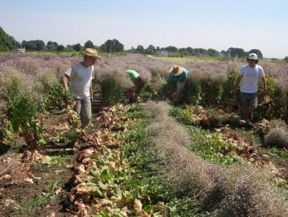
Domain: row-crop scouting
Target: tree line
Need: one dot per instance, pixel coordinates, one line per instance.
(8, 43)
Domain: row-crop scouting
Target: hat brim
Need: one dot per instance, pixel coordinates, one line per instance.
(89, 55)
(178, 72)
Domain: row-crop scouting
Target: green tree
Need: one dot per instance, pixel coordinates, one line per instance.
(140, 49)
(7, 42)
(236, 52)
(51, 46)
(77, 47)
(89, 44)
(33, 45)
(60, 48)
(150, 49)
(171, 49)
(111, 46)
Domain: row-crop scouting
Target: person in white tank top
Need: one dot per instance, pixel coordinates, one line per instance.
(250, 76)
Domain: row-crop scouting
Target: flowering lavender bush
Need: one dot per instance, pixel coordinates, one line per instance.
(211, 82)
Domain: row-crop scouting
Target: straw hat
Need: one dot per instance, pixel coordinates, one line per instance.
(176, 70)
(90, 52)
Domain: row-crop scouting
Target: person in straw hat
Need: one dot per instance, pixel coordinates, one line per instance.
(79, 80)
(179, 75)
(250, 75)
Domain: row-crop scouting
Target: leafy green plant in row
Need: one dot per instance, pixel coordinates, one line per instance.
(210, 146)
(22, 114)
(55, 97)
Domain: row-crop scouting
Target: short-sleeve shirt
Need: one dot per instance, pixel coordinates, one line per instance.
(250, 79)
(181, 78)
(80, 80)
(133, 75)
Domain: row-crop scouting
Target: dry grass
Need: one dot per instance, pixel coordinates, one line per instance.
(277, 137)
(234, 191)
(277, 134)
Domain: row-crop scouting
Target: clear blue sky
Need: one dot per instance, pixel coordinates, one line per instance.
(217, 24)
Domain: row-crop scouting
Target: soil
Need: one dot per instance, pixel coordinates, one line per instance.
(31, 188)
(22, 189)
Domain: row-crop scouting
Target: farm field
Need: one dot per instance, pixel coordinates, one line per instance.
(149, 158)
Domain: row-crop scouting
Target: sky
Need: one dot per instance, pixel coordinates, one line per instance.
(217, 24)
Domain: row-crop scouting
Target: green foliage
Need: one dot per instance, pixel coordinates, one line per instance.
(211, 146)
(33, 45)
(77, 47)
(111, 89)
(275, 109)
(236, 52)
(21, 113)
(212, 90)
(111, 46)
(182, 115)
(89, 44)
(228, 87)
(7, 42)
(193, 91)
(51, 46)
(155, 89)
(56, 97)
(145, 182)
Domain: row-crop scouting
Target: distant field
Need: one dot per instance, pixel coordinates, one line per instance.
(190, 59)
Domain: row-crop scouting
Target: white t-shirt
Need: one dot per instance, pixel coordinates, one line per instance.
(80, 80)
(250, 79)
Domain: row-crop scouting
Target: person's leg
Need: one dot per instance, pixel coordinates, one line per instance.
(244, 102)
(253, 105)
(244, 112)
(86, 112)
(248, 104)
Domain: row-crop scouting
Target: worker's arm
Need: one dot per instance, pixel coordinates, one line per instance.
(263, 79)
(66, 81)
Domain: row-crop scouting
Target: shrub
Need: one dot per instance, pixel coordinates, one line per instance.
(155, 88)
(54, 94)
(264, 110)
(112, 90)
(193, 91)
(212, 91)
(278, 107)
(21, 113)
(228, 87)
